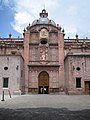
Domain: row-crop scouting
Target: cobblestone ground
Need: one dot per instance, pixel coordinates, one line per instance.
(46, 107)
(43, 114)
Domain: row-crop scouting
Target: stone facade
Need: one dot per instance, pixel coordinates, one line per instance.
(47, 62)
(78, 67)
(11, 73)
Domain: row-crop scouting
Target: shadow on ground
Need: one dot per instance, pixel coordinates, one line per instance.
(43, 114)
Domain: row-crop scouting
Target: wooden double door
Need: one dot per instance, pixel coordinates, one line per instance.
(87, 87)
(43, 83)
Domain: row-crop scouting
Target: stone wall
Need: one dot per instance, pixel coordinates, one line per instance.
(77, 66)
(14, 72)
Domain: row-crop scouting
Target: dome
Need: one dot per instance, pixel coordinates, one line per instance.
(43, 19)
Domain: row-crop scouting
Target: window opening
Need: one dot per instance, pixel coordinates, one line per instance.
(5, 68)
(43, 41)
(5, 82)
(78, 68)
(78, 82)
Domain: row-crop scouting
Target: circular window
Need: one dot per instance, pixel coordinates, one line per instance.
(5, 68)
(44, 41)
(78, 68)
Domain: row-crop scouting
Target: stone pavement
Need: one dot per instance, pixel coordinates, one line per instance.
(46, 107)
(7, 97)
(75, 102)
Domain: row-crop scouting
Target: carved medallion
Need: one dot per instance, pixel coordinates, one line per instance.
(44, 33)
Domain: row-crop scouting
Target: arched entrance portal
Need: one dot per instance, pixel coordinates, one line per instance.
(43, 83)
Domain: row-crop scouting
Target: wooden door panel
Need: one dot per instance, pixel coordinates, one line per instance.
(43, 83)
(87, 87)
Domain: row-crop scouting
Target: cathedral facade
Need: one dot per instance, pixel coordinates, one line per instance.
(43, 62)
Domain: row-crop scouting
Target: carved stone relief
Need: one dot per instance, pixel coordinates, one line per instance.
(43, 33)
(43, 54)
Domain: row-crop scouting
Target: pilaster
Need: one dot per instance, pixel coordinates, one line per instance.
(26, 58)
(61, 60)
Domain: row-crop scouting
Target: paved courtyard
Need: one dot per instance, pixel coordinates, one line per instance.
(46, 107)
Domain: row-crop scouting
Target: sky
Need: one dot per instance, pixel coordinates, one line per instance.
(72, 15)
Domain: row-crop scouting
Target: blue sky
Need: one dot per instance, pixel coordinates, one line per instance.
(72, 15)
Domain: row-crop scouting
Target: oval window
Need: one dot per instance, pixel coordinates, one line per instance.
(78, 68)
(5, 68)
(43, 41)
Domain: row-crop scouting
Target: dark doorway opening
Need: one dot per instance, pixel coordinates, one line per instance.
(43, 89)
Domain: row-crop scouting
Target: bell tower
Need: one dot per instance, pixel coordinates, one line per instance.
(44, 56)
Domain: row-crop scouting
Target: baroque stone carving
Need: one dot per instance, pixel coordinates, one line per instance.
(43, 54)
(43, 33)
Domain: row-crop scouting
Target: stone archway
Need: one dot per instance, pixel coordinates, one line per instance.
(43, 83)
